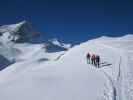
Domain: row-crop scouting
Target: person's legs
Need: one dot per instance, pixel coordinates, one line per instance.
(87, 61)
(92, 61)
(95, 63)
(98, 63)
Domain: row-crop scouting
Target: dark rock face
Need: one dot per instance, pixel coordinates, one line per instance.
(21, 32)
(4, 62)
(50, 47)
(24, 33)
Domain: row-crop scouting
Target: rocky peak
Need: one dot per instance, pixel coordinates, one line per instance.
(20, 32)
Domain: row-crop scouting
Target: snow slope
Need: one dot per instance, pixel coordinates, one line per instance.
(63, 79)
(29, 52)
(70, 77)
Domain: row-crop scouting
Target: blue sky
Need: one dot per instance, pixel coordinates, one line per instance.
(71, 20)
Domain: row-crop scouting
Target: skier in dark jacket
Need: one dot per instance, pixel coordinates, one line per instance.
(97, 60)
(88, 58)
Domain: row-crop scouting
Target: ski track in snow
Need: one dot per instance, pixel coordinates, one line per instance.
(124, 70)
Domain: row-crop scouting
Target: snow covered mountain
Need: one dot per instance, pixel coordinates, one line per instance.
(70, 77)
(18, 43)
(21, 32)
(55, 71)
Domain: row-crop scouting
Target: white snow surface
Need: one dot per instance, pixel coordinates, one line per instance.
(67, 76)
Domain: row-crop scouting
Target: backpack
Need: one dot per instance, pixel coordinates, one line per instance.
(93, 56)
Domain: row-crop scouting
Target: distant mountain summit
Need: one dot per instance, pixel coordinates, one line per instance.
(18, 33)
(22, 42)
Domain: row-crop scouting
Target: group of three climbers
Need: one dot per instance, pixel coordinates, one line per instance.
(93, 59)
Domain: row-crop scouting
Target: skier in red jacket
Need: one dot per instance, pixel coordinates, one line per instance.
(93, 59)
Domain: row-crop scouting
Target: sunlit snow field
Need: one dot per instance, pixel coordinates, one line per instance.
(70, 77)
